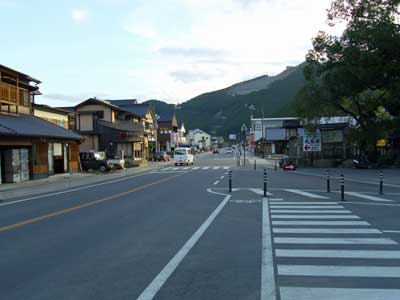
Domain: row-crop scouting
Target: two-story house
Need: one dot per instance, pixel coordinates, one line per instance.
(117, 127)
(167, 131)
(144, 114)
(199, 138)
(30, 147)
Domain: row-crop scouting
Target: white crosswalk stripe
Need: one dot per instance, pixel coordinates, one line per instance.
(307, 293)
(368, 197)
(330, 235)
(306, 194)
(306, 206)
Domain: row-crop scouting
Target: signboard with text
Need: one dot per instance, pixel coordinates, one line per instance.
(312, 141)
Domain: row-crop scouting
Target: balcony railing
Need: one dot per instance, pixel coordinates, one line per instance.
(8, 93)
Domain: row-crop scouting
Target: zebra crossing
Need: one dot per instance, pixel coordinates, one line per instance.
(183, 168)
(323, 251)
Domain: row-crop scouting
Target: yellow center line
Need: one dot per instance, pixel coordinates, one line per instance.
(64, 211)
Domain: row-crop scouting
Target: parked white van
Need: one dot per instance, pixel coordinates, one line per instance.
(183, 156)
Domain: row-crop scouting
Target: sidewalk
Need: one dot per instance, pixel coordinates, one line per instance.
(268, 163)
(66, 181)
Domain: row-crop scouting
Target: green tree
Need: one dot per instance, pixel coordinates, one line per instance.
(358, 73)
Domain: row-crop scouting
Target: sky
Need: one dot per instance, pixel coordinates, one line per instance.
(171, 50)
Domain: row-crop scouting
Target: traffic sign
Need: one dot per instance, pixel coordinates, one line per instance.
(312, 141)
(244, 127)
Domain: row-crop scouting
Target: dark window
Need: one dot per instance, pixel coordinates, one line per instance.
(100, 114)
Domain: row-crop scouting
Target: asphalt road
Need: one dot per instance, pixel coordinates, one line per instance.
(177, 233)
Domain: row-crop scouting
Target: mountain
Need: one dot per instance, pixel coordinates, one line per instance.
(224, 111)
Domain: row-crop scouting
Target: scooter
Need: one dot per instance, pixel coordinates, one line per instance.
(361, 163)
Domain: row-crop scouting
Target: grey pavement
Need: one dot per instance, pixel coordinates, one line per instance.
(177, 233)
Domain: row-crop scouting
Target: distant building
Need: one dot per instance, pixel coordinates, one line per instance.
(181, 134)
(54, 115)
(288, 135)
(168, 131)
(199, 138)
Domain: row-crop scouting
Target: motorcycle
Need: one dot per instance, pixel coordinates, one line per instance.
(361, 163)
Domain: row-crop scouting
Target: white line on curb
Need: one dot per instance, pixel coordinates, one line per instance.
(268, 291)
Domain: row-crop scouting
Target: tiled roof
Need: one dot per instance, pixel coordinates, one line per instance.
(31, 126)
(123, 125)
(166, 117)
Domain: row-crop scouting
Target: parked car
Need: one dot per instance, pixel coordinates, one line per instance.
(183, 156)
(162, 156)
(94, 161)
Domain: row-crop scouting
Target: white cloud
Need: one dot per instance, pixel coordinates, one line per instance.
(79, 16)
(218, 43)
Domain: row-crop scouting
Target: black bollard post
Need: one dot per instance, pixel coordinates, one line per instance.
(255, 164)
(381, 183)
(342, 187)
(230, 180)
(265, 183)
(275, 166)
(328, 181)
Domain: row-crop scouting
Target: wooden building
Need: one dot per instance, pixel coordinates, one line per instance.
(116, 127)
(167, 131)
(30, 147)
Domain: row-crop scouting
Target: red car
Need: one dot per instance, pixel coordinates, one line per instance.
(289, 167)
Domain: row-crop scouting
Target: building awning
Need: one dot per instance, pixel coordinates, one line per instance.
(32, 126)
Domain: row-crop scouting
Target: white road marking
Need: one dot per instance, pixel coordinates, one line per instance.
(379, 254)
(74, 190)
(152, 289)
(246, 201)
(307, 293)
(338, 223)
(314, 217)
(276, 199)
(174, 169)
(226, 168)
(306, 203)
(328, 230)
(373, 198)
(216, 168)
(339, 241)
(301, 211)
(260, 192)
(222, 177)
(347, 178)
(369, 203)
(205, 168)
(216, 193)
(342, 271)
(165, 169)
(196, 168)
(268, 291)
(391, 231)
(306, 194)
(186, 168)
(215, 183)
(307, 206)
